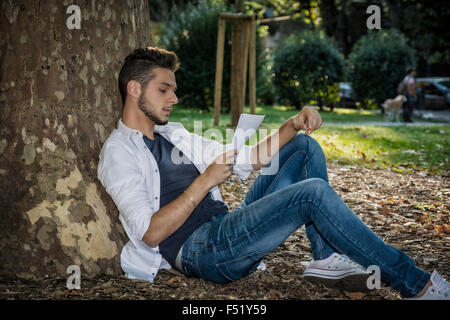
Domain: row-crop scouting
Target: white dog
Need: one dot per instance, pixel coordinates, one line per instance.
(393, 107)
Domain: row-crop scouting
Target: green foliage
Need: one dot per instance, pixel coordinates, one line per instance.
(192, 35)
(265, 89)
(426, 25)
(307, 67)
(377, 64)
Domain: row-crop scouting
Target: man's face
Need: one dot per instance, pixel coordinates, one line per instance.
(158, 97)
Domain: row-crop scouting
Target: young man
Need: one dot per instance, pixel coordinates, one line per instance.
(164, 180)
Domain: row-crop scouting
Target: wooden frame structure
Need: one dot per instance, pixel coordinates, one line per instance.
(243, 51)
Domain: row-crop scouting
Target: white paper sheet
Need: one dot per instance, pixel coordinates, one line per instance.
(246, 128)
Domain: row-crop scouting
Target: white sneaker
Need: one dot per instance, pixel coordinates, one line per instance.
(338, 271)
(438, 290)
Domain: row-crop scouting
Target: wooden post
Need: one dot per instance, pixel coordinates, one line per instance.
(252, 67)
(219, 70)
(243, 30)
(246, 29)
(236, 69)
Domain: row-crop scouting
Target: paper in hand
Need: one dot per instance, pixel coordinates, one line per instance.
(246, 128)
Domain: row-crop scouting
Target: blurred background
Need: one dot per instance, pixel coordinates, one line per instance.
(318, 52)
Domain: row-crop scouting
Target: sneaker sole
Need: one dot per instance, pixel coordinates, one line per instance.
(350, 283)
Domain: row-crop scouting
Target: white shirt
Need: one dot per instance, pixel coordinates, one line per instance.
(129, 172)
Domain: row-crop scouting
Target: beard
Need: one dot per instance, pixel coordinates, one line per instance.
(146, 106)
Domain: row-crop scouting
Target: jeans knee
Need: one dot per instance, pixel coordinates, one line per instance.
(317, 185)
(303, 140)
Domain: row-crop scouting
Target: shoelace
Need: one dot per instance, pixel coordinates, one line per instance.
(347, 259)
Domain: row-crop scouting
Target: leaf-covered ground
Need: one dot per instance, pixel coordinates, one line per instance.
(409, 211)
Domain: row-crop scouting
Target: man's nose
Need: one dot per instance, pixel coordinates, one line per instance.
(173, 98)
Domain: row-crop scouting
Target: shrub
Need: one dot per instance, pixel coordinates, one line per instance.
(265, 89)
(377, 64)
(192, 35)
(307, 67)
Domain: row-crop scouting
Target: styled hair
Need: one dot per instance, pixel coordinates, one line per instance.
(140, 63)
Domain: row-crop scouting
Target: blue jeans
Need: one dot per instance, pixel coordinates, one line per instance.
(230, 246)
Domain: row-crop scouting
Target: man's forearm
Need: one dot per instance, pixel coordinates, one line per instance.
(172, 216)
(270, 145)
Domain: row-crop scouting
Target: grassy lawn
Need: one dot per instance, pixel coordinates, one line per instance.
(401, 148)
(274, 115)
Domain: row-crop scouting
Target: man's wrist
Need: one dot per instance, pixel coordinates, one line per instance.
(204, 183)
(191, 198)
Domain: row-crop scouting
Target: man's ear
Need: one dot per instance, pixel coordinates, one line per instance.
(134, 89)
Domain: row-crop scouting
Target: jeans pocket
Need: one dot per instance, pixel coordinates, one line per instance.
(238, 268)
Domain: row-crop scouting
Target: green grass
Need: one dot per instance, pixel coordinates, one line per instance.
(402, 148)
(274, 115)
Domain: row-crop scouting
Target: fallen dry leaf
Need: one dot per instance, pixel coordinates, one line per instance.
(172, 280)
(355, 295)
(67, 293)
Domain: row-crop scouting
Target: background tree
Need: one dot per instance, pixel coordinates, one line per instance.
(192, 34)
(377, 64)
(307, 67)
(425, 24)
(59, 101)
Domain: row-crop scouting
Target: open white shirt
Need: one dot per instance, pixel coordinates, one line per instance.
(130, 175)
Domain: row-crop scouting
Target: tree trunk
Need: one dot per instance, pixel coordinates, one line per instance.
(329, 14)
(342, 28)
(395, 12)
(59, 101)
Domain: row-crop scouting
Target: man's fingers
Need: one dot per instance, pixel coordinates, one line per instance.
(315, 124)
(310, 120)
(231, 156)
(226, 157)
(310, 124)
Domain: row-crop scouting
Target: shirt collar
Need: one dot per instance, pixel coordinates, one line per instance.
(128, 131)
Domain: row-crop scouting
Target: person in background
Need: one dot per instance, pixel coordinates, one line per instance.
(409, 90)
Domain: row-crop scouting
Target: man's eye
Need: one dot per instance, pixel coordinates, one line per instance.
(162, 90)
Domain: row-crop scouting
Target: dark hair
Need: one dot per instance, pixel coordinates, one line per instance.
(409, 70)
(140, 63)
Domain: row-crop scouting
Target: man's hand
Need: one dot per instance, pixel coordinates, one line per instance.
(172, 216)
(307, 119)
(220, 169)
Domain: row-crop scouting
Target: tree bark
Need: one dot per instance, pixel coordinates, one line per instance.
(59, 101)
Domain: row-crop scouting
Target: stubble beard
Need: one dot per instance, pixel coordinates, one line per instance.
(142, 105)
